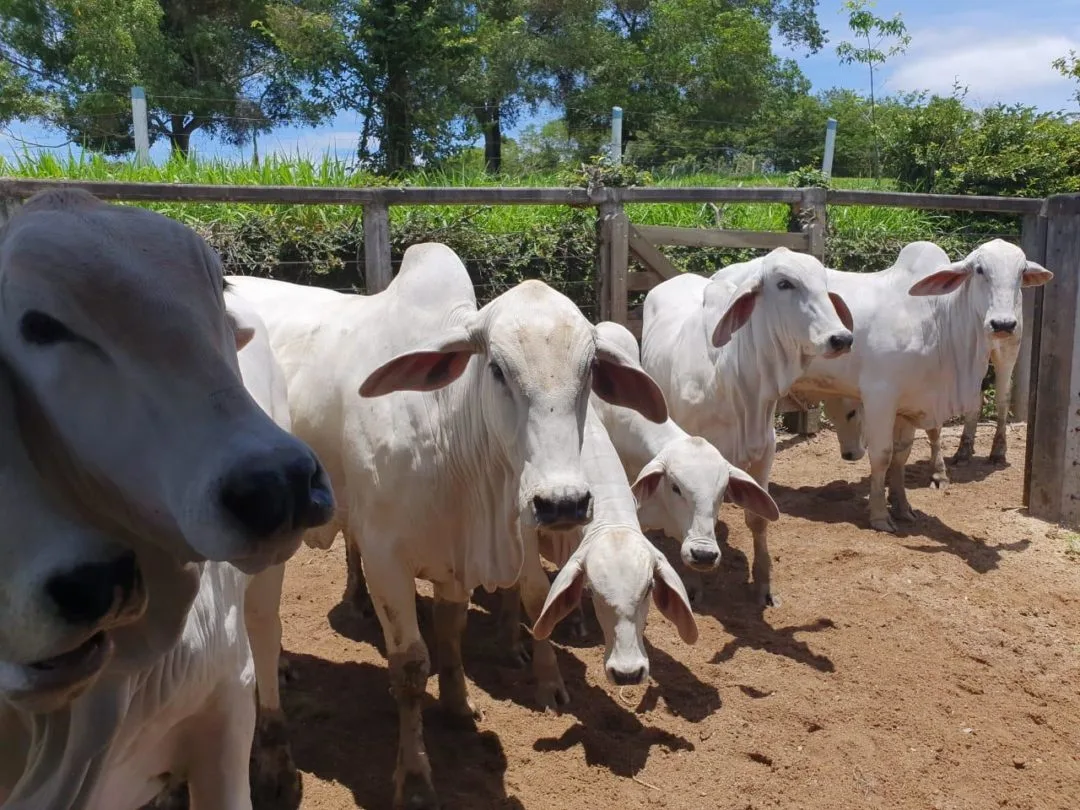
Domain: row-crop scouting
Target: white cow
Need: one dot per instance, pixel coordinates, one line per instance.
(921, 351)
(448, 431)
(618, 563)
(137, 299)
(679, 480)
(725, 350)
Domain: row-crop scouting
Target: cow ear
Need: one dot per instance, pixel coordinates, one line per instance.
(647, 481)
(424, 370)
(943, 281)
(619, 380)
(737, 312)
(563, 596)
(669, 596)
(746, 493)
(842, 311)
(241, 334)
(1035, 275)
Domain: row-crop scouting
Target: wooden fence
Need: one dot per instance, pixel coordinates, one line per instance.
(1047, 383)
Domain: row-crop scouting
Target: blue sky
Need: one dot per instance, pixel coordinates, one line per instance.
(1000, 49)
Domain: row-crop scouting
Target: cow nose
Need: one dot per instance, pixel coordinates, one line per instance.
(563, 512)
(705, 556)
(269, 498)
(841, 341)
(626, 677)
(1007, 325)
(90, 592)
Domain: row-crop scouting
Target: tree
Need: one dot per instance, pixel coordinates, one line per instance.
(398, 64)
(205, 66)
(878, 40)
(1069, 67)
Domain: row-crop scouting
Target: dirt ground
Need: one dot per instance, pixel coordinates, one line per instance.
(935, 669)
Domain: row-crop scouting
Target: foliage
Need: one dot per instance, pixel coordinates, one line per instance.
(600, 171)
(1069, 67)
(204, 65)
(808, 176)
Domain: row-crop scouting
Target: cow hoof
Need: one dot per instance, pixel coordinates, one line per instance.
(416, 793)
(884, 524)
(770, 599)
(275, 781)
(997, 458)
(904, 514)
(519, 655)
(552, 696)
(939, 481)
(172, 797)
(963, 454)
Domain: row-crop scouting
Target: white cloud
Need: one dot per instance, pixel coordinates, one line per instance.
(1003, 68)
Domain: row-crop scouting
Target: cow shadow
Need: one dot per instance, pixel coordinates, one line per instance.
(728, 597)
(841, 501)
(343, 728)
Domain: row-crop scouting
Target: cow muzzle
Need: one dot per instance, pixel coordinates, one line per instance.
(839, 343)
(563, 508)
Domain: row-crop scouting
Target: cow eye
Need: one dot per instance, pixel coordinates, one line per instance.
(497, 373)
(851, 415)
(675, 489)
(42, 330)
(784, 284)
(978, 269)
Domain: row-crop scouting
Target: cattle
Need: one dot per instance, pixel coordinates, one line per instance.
(725, 350)
(448, 431)
(129, 400)
(679, 480)
(923, 342)
(614, 559)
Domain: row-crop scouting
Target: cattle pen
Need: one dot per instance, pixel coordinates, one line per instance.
(1047, 379)
(933, 669)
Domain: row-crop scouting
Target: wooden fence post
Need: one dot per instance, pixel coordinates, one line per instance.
(1033, 242)
(8, 206)
(378, 270)
(613, 267)
(809, 217)
(1054, 422)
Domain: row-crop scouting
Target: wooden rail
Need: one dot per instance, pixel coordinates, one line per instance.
(1047, 378)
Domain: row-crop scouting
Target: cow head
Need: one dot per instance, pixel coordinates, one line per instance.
(64, 588)
(680, 491)
(846, 416)
(992, 276)
(621, 568)
(787, 293)
(129, 394)
(535, 358)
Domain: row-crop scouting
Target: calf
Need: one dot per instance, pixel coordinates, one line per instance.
(923, 341)
(725, 350)
(479, 413)
(680, 480)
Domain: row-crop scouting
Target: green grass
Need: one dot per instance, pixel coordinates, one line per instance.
(863, 221)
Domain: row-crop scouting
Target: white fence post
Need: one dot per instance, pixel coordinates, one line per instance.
(142, 129)
(830, 148)
(616, 135)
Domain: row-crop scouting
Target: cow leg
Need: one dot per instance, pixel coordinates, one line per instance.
(275, 782)
(449, 620)
(219, 749)
(759, 528)
(879, 427)
(1004, 360)
(509, 624)
(939, 478)
(534, 584)
(966, 449)
(356, 590)
(695, 584)
(902, 438)
(394, 600)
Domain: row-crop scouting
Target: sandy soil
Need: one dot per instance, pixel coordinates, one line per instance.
(937, 669)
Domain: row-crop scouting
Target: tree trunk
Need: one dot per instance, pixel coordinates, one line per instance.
(180, 134)
(397, 146)
(489, 116)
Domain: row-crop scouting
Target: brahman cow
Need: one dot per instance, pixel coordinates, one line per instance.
(448, 431)
(923, 342)
(132, 409)
(725, 350)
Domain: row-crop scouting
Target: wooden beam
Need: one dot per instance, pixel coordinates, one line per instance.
(378, 270)
(1054, 490)
(816, 221)
(1033, 242)
(685, 194)
(643, 281)
(712, 237)
(935, 202)
(619, 268)
(648, 254)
